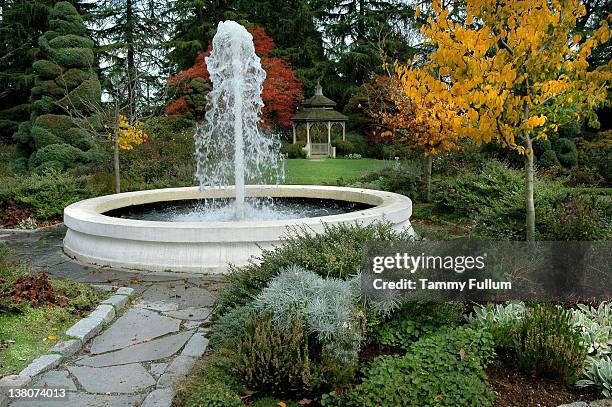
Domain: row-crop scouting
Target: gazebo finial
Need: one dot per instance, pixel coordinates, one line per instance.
(319, 89)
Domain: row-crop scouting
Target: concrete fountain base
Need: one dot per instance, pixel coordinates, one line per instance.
(206, 247)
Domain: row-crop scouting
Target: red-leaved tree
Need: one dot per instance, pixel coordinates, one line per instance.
(282, 90)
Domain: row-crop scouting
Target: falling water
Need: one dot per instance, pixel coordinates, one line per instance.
(230, 147)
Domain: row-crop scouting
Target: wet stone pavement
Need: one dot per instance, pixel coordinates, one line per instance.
(138, 359)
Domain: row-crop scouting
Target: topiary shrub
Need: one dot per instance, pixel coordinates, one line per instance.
(64, 80)
(567, 153)
(71, 41)
(46, 69)
(63, 156)
(74, 57)
(445, 368)
(72, 78)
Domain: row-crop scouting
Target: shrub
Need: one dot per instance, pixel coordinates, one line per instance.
(295, 150)
(343, 147)
(575, 218)
(327, 306)
(71, 41)
(546, 343)
(404, 178)
(216, 395)
(445, 368)
(274, 357)
(230, 327)
(336, 252)
(59, 156)
(47, 194)
(548, 159)
(566, 152)
(414, 320)
(363, 146)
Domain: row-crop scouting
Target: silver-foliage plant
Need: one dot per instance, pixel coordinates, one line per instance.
(598, 374)
(328, 306)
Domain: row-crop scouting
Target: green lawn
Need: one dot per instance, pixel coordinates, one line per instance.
(326, 172)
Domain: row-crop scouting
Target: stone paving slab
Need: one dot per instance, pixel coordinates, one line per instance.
(185, 295)
(196, 346)
(179, 367)
(157, 369)
(135, 326)
(191, 313)
(113, 379)
(56, 378)
(153, 350)
(159, 398)
(84, 400)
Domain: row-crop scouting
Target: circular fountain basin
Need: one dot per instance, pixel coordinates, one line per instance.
(208, 247)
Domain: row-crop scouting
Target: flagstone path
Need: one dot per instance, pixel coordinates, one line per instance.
(138, 359)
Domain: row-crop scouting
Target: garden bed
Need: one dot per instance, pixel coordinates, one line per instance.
(514, 388)
(293, 330)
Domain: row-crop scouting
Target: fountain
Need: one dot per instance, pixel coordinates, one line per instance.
(232, 215)
(231, 141)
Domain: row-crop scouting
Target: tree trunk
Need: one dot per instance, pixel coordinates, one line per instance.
(428, 165)
(529, 195)
(116, 169)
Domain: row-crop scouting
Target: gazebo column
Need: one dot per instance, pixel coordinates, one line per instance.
(329, 147)
(294, 135)
(343, 131)
(308, 138)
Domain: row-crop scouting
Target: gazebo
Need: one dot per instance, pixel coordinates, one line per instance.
(318, 110)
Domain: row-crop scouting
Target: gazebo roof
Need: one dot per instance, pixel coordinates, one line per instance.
(319, 115)
(318, 100)
(318, 108)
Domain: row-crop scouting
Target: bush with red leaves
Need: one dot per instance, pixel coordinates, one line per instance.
(282, 90)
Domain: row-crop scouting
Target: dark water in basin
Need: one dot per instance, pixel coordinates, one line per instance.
(256, 209)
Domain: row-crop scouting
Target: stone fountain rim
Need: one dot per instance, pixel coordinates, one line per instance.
(87, 216)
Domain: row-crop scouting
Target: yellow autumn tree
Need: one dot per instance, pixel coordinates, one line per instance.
(125, 136)
(514, 71)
